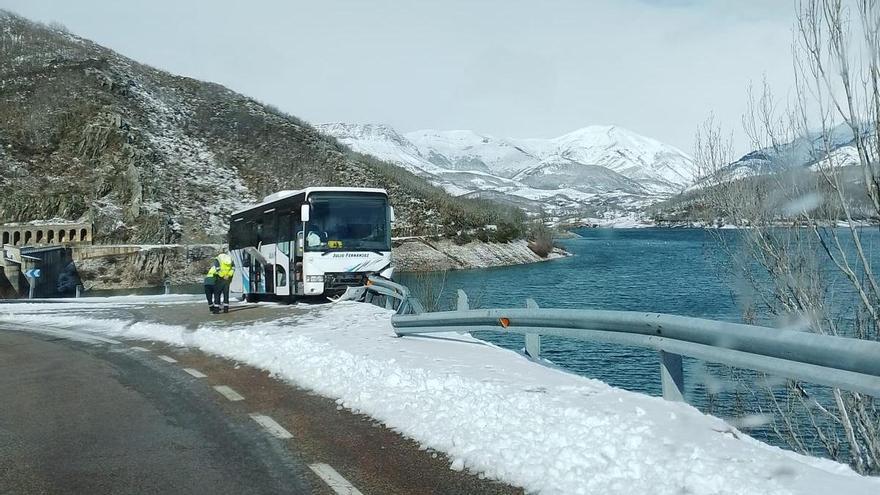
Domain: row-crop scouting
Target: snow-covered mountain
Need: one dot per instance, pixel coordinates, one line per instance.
(597, 168)
(809, 152)
(467, 150)
(657, 166)
(382, 142)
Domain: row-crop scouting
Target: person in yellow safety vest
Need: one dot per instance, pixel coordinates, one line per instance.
(225, 271)
(211, 286)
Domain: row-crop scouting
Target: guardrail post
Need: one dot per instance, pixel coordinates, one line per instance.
(167, 287)
(671, 376)
(533, 340)
(79, 289)
(533, 345)
(462, 304)
(414, 306)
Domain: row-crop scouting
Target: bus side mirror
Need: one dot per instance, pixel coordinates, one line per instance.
(304, 213)
(390, 213)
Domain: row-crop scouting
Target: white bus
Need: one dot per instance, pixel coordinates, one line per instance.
(313, 242)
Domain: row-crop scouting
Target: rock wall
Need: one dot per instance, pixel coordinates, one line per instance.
(129, 266)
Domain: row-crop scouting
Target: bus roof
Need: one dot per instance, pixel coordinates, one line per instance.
(272, 198)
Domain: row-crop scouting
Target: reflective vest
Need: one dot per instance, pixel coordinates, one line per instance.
(227, 269)
(209, 277)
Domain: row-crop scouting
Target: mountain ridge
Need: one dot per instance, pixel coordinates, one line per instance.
(607, 166)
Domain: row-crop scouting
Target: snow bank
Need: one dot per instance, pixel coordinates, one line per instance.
(491, 410)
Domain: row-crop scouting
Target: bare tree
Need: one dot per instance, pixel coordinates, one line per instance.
(798, 222)
(540, 236)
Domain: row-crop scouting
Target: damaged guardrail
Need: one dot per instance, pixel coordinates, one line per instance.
(383, 292)
(840, 362)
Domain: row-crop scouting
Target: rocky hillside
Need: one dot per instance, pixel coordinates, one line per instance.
(150, 157)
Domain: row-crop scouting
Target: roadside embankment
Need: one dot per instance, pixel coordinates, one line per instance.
(420, 254)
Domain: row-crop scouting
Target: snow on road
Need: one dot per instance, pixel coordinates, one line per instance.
(489, 409)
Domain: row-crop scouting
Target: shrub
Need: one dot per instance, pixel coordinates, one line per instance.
(540, 239)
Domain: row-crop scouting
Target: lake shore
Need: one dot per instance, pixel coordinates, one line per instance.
(643, 223)
(420, 254)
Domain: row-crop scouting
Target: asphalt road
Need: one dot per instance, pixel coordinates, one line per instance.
(91, 419)
(83, 414)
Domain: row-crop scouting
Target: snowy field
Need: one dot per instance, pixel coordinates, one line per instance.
(490, 410)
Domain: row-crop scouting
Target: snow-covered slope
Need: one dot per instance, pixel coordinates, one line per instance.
(587, 178)
(382, 142)
(656, 165)
(604, 167)
(467, 150)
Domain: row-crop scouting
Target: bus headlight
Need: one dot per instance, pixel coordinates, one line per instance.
(315, 278)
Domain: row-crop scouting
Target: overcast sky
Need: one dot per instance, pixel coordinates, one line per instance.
(503, 67)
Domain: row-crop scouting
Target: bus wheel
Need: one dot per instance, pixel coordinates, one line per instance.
(251, 298)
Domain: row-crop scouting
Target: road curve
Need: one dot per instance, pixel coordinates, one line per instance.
(92, 419)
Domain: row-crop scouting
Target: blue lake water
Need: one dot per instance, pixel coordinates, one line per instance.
(656, 270)
(676, 271)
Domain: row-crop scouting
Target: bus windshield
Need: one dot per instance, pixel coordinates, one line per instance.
(348, 223)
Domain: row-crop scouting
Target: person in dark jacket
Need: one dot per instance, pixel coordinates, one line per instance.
(211, 287)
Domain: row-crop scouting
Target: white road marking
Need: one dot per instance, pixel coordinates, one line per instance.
(194, 372)
(136, 348)
(87, 338)
(271, 426)
(167, 359)
(228, 393)
(334, 480)
(106, 340)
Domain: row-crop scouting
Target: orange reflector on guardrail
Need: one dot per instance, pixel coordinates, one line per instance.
(505, 322)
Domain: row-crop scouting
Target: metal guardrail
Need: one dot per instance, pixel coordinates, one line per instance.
(381, 291)
(846, 363)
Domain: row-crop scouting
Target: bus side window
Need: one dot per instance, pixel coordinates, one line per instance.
(268, 234)
(285, 233)
(249, 234)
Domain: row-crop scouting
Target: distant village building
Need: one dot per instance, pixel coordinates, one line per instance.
(60, 234)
